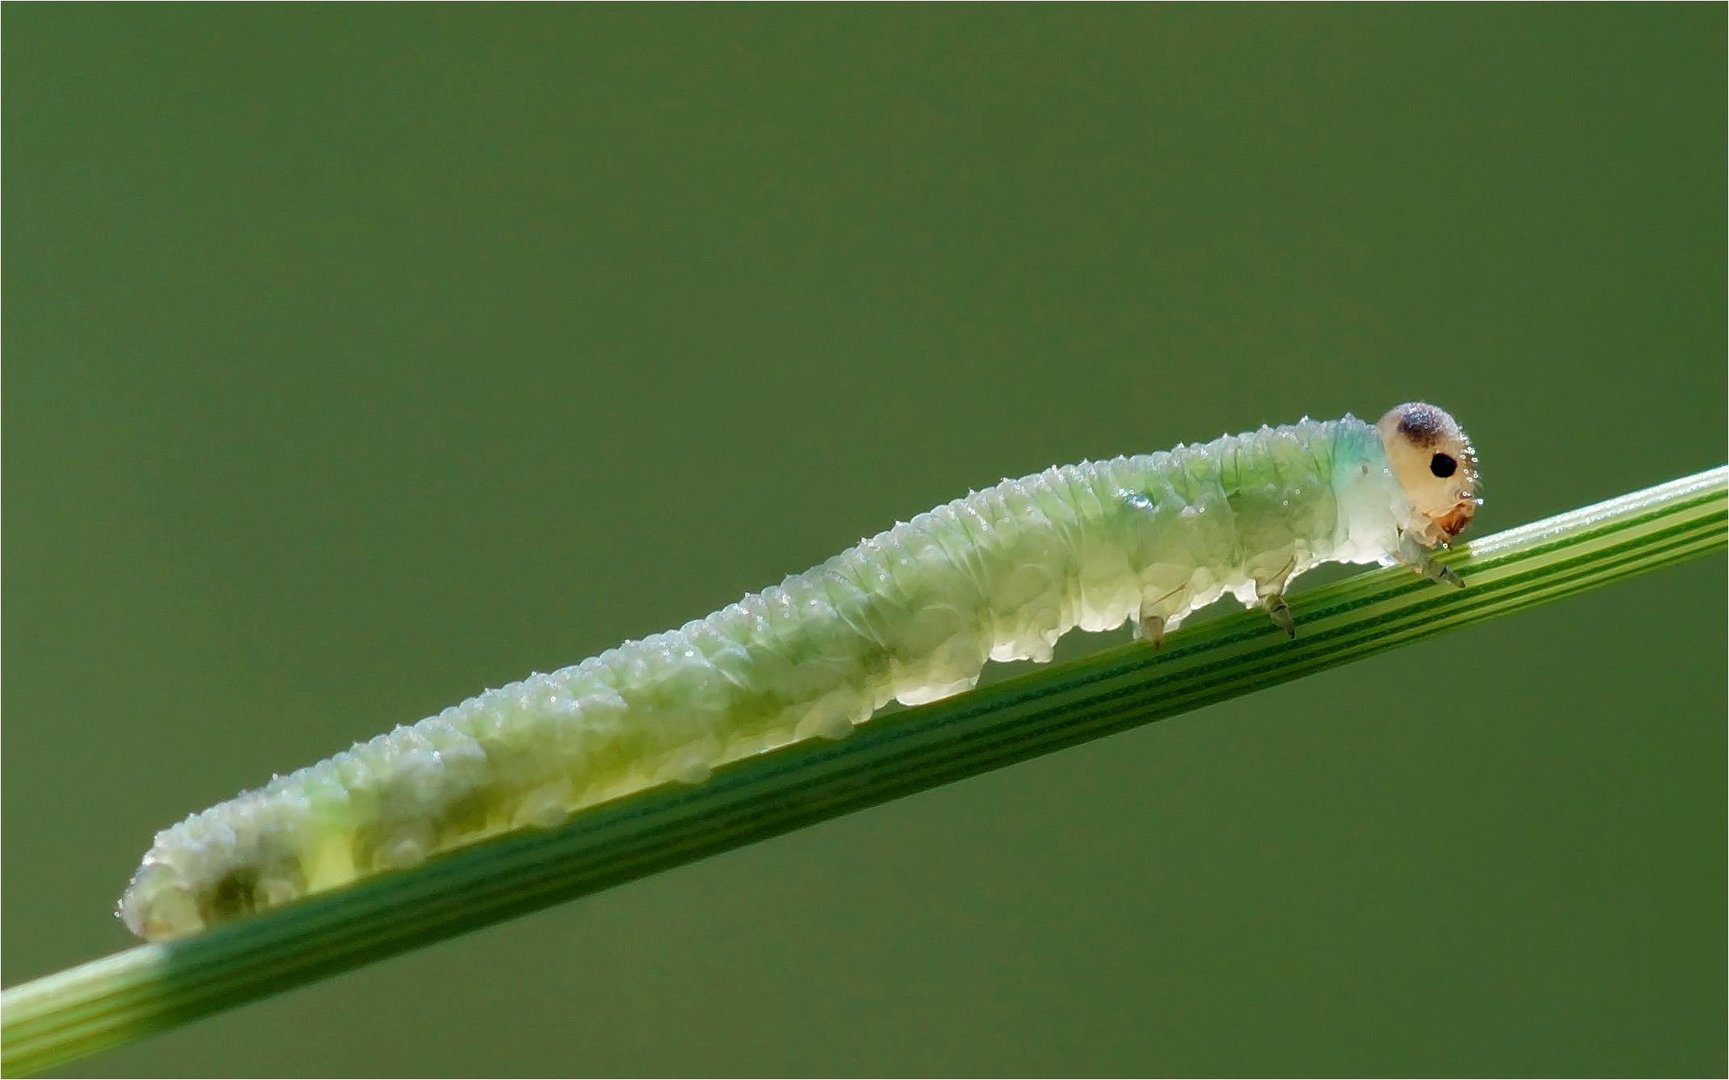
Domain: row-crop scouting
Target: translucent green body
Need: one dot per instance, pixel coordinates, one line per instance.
(911, 614)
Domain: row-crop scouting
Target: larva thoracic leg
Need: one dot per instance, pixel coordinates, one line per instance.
(1413, 554)
(910, 614)
(1280, 613)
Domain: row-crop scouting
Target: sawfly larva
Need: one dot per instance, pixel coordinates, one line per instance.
(911, 614)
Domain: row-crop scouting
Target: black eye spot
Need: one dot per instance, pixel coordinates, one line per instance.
(1443, 466)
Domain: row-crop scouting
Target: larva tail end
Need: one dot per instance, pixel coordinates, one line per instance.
(157, 906)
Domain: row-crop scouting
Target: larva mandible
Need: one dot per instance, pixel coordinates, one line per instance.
(910, 614)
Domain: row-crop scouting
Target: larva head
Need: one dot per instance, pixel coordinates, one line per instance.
(1435, 465)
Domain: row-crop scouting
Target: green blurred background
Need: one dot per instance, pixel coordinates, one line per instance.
(359, 358)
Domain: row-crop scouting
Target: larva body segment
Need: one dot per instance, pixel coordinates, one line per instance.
(910, 614)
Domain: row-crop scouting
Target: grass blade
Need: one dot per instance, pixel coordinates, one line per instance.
(147, 989)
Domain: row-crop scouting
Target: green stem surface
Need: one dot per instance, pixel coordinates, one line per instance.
(151, 988)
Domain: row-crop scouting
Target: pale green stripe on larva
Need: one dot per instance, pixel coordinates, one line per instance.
(910, 614)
